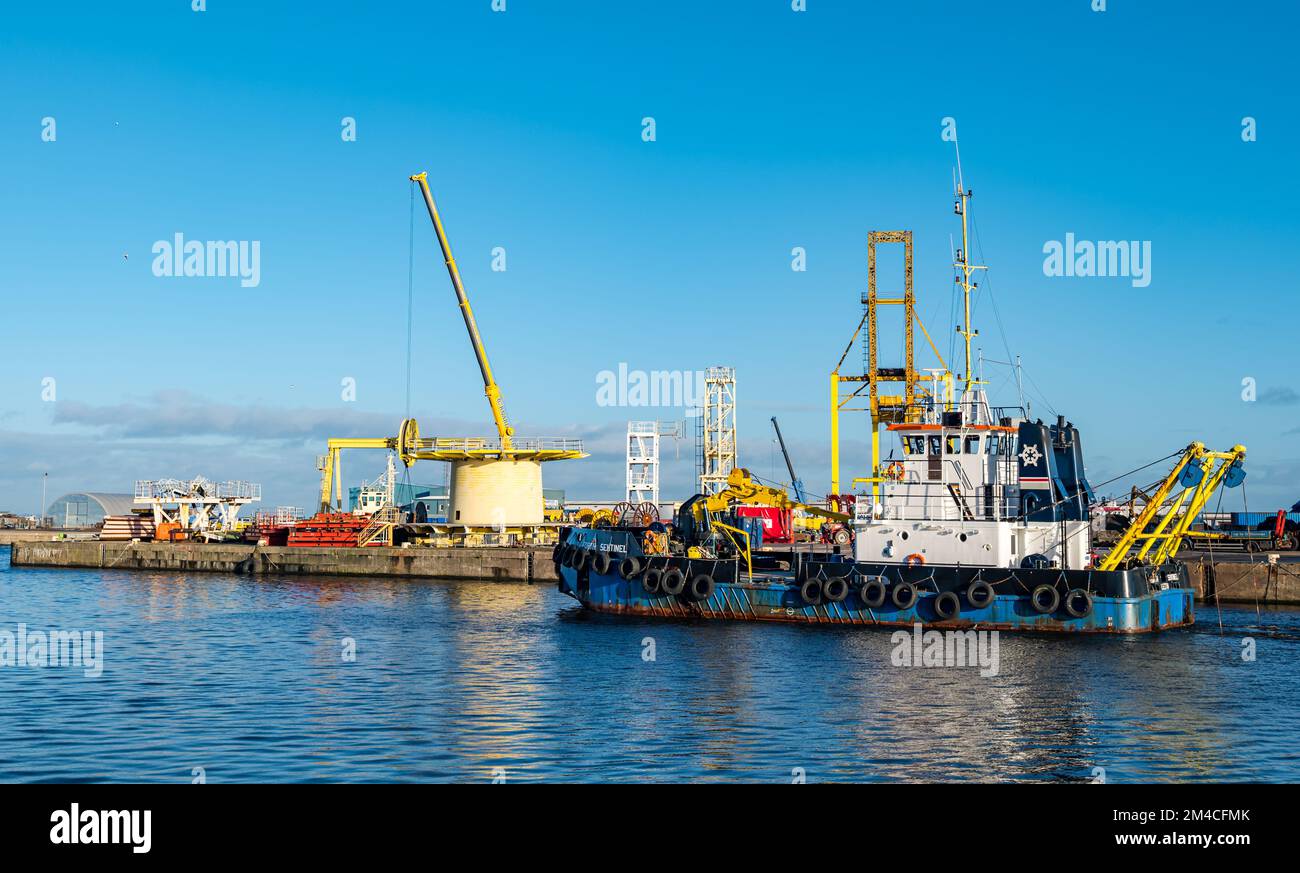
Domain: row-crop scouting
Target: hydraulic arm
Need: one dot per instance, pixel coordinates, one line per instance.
(741, 488)
(490, 388)
(1163, 524)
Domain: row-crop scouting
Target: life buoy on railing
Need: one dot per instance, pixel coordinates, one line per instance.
(914, 560)
(895, 472)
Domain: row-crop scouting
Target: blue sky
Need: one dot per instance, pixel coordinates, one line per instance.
(774, 129)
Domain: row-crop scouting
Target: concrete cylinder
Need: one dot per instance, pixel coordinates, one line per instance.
(487, 493)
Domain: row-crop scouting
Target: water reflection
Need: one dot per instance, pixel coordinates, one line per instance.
(248, 678)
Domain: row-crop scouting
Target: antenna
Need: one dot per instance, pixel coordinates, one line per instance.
(962, 263)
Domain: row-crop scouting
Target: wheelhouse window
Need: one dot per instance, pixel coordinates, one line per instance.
(952, 445)
(973, 445)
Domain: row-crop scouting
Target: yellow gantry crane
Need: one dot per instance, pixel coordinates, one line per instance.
(883, 408)
(1199, 472)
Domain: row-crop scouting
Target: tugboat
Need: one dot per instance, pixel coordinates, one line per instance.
(982, 520)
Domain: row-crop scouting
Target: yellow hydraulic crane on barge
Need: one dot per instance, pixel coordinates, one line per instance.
(1199, 472)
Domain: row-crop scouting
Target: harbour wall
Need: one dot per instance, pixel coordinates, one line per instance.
(11, 535)
(1231, 582)
(503, 564)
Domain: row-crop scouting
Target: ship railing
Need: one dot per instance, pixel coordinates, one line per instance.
(937, 504)
(928, 411)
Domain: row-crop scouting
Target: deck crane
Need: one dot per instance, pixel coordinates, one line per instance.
(795, 482)
(1164, 525)
(483, 475)
(490, 387)
(704, 516)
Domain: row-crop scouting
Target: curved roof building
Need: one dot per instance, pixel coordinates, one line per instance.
(88, 508)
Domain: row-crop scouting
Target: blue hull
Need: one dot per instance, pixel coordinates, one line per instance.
(776, 597)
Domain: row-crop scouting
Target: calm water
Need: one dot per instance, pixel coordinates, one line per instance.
(246, 679)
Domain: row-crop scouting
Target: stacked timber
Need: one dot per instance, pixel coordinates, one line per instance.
(121, 528)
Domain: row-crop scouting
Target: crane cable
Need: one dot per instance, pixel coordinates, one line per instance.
(410, 309)
(410, 296)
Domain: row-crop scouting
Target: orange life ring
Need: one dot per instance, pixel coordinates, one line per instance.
(895, 471)
(914, 560)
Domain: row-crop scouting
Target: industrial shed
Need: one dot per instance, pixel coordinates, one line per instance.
(88, 508)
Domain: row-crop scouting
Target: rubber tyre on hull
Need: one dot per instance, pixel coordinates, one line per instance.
(653, 581)
(674, 581)
(700, 588)
(947, 606)
(980, 594)
(1045, 599)
(1078, 603)
(872, 593)
(629, 568)
(810, 592)
(600, 563)
(835, 589)
(903, 596)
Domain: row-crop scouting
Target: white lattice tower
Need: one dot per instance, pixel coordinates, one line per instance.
(718, 451)
(643, 462)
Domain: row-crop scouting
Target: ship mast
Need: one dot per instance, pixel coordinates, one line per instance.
(965, 269)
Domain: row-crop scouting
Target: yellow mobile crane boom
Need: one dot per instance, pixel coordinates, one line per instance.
(490, 388)
(1200, 472)
(741, 488)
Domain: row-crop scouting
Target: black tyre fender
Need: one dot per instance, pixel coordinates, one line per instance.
(629, 568)
(980, 594)
(835, 589)
(701, 587)
(810, 592)
(1045, 598)
(872, 593)
(600, 563)
(653, 581)
(903, 596)
(947, 605)
(1078, 603)
(674, 581)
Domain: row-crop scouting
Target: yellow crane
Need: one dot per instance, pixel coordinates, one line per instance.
(468, 454)
(490, 387)
(1164, 524)
(741, 489)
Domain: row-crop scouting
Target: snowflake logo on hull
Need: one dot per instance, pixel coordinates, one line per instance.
(1030, 455)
